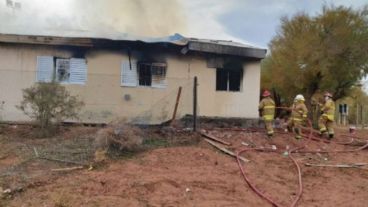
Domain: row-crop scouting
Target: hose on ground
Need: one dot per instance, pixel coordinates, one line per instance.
(296, 150)
(259, 192)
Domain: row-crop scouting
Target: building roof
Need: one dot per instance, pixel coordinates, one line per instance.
(188, 44)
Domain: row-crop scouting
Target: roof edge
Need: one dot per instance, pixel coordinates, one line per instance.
(207, 47)
(190, 44)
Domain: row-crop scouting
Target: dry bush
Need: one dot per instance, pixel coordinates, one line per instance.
(123, 137)
(49, 104)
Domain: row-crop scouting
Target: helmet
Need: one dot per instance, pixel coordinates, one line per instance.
(266, 93)
(328, 94)
(299, 97)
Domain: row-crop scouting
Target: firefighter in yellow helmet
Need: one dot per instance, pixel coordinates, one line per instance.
(267, 108)
(326, 120)
(299, 113)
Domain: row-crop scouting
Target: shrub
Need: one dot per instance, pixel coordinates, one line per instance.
(117, 139)
(125, 137)
(48, 104)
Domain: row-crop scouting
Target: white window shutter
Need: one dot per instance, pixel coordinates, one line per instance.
(45, 68)
(78, 71)
(129, 75)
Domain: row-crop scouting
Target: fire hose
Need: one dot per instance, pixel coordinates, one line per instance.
(290, 152)
(256, 190)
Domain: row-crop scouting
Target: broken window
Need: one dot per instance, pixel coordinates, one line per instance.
(235, 77)
(158, 75)
(73, 71)
(221, 79)
(152, 74)
(62, 70)
(228, 79)
(144, 74)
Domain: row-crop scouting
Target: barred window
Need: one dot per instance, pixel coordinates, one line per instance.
(152, 74)
(144, 74)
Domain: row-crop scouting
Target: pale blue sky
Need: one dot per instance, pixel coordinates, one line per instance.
(256, 21)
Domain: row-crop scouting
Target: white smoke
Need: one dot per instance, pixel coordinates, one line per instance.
(98, 17)
(112, 18)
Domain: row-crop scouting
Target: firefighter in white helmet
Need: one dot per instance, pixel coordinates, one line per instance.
(299, 113)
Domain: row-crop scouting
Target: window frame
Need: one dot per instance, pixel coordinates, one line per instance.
(240, 74)
(158, 71)
(77, 71)
(57, 69)
(147, 80)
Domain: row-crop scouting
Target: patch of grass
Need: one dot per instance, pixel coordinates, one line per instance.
(61, 200)
(156, 143)
(117, 154)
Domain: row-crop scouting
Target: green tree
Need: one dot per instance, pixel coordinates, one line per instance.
(48, 104)
(327, 52)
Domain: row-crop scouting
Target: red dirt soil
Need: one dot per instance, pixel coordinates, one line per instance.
(202, 176)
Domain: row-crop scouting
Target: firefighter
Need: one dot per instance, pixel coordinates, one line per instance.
(299, 113)
(326, 120)
(267, 108)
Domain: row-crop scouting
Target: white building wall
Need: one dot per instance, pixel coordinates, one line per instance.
(107, 100)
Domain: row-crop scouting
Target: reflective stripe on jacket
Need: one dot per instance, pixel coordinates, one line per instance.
(299, 111)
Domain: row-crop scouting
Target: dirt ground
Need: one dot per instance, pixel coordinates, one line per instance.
(170, 174)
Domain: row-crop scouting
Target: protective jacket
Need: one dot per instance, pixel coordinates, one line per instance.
(328, 110)
(267, 106)
(299, 111)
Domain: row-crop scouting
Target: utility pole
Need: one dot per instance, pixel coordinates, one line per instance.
(362, 115)
(195, 104)
(357, 115)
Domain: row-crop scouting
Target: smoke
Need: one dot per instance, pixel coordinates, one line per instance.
(93, 17)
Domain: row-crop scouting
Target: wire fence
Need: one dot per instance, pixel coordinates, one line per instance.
(26, 158)
(163, 109)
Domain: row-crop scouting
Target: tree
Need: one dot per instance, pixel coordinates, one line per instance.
(49, 103)
(327, 52)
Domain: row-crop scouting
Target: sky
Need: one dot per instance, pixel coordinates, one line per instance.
(253, 22)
